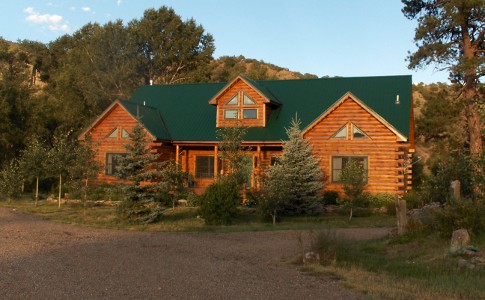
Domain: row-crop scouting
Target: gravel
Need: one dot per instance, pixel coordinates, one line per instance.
(45, 260)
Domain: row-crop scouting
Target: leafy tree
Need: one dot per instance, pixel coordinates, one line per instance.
(353, 179)
(301, 172)
(86, 168)
(274, 193)
(61, 157)
(451, 35)
(10, 180)
(33, 162)
(168, 48)
(232, 152)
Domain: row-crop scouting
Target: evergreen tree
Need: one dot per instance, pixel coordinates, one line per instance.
(143, 172)
(301, 172)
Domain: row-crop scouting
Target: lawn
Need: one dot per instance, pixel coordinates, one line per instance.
(186, 218)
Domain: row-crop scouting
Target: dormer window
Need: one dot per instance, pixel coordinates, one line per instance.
(113, 134)
(230, 114)
(234, 100)
(124, 134)
(250, 113)
(342, 133)
(248, 101)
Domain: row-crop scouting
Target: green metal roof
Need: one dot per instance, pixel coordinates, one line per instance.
(184, 112)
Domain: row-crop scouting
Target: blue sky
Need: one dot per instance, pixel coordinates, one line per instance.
(321, 37)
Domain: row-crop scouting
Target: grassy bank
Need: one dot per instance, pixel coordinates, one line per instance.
(414, 266)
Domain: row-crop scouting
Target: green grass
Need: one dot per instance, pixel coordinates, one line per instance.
(186, 219)
(415, 266)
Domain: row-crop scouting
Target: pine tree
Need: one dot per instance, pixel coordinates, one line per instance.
(301, 172)
(141, 168)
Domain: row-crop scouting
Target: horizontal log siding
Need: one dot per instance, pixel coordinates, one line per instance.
(233, 90)
(118, 118)
(381, 148)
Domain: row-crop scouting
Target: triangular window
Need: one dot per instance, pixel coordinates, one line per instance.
(234, 100)
(342, 133)
(114, 134)
(124, 134)
(248, 100)
(357, 133)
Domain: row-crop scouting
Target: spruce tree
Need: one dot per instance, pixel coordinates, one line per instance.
(301, 172)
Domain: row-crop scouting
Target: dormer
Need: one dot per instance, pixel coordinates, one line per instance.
(243, 102)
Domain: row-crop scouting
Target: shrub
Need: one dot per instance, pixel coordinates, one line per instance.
(330, 247)
(220, 202)
(465, 214)
(330, 197)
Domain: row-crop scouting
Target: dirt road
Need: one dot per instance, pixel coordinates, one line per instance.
(46, 260)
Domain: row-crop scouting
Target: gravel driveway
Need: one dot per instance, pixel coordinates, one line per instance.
(46, 260)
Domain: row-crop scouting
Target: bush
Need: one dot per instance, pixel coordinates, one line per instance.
(330, 197)
(465, 214)
(220, 202)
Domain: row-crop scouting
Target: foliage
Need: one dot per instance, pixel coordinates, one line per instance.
(455, 166)
(60, 158)
(140, 212)
(142, 171)
(353, 179)
(274, 193)
(330, 197)
(33, 162)
(172, 181)
(233, 154)
(301, 172)
(465, 214)
(11, 180)
(169, 49)
(451, 35)
(220, 201)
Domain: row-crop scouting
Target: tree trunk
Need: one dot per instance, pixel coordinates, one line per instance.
(350, 217)
(274, 217)
(36, 190)
(60, 189)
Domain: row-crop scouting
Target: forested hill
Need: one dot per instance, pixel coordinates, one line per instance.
(47, 89)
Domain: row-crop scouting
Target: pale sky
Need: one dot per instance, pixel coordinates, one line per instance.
(321, 37)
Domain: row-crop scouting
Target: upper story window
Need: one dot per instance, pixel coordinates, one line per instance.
(245, 107)
(113, 134)
(234, 100)
(356, 132)
(118, 133)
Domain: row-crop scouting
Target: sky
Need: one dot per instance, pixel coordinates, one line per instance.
(322, 37)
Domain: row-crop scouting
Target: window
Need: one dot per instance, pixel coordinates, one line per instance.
(250, 113)
(230, 114)
(112, 161)
(342, 133)
(204, 166)
(357, 133)
(125, 134)
(113, 134)
(339, 163)
(247, 100)
(234, 100)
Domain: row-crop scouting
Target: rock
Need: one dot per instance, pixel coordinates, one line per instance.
(459, 241)
(182, 202)
(478, 260)
(311, 258)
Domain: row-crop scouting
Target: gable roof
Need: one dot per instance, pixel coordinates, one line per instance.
(187, 116)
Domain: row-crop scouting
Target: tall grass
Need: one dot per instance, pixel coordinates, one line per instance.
(414, 268)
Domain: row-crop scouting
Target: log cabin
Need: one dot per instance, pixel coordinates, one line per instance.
(369, 119)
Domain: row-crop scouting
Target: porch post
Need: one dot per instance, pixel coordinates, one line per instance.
(177, 154)
(216, 162)
(258, 168)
